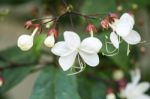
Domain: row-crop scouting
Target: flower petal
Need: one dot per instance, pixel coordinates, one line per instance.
(123, 28)
(90, 59)
(142, 96)
(67, 61)
(60, 49)
(135, 76)
(143, 87)
(114, 39)
(128, 17)
(91, 45)
(72, 39)
(132, 38)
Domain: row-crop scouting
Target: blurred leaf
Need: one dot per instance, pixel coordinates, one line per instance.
(98, 6)
(38, 43)
(84, 87)
(13, 76)
(53, 83)
(44, 86)
(66, 86)
(15, 55)
(102, 7)
(99, 91)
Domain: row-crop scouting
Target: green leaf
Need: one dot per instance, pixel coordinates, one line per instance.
(15, 55)
(99, 91)
(55, 84)
(13, 75)
(38, 43)
(44, 86)
(84, 87)
(66, 86)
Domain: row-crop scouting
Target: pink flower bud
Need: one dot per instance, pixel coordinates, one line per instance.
(91, 27)
(105, 23)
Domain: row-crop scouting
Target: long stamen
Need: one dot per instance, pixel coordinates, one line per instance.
(81, 67)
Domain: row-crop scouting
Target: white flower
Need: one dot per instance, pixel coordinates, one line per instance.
(49, 41)
(72, 46)
(110, 96)
(123, 28)
(136, 90)
(25, 42)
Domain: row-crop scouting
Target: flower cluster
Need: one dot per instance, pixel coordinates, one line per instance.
(86, 50)
(121, 28)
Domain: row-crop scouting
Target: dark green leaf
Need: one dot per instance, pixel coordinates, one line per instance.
(55, 84)
(44, 86)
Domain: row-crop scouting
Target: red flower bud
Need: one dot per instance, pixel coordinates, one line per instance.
(105, 23)
(28, 24)
(109, 90)
(122, 84)
(112, 17)
(53, 31)
(91, 27)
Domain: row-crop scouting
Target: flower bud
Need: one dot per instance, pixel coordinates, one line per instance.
(28, 24)
(134, 6)
(110, 94)
(50, 41)
(1, 81)
(105, 23)
(25, 42)
(54, 32)
(118, 75)
(119, 8)
(91, 28)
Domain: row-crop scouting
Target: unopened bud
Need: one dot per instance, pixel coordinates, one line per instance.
(91, 27)
(105, 23)
(110, 94)
(50, 41)
(119, 8)
(25, 42)
(134, 6)
(28, 24)
(118, 75)
(1, 81)
(54, 32)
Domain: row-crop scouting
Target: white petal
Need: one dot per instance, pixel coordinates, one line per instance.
(91, 45)
(143, 87)
(72, 39)
(60, 49)
(114, 40)
(90, 59)
(25, 42)
(128, 17)
(143, 96)
(135, 76)
(133, 38)
(67, 61)
(123, 28)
